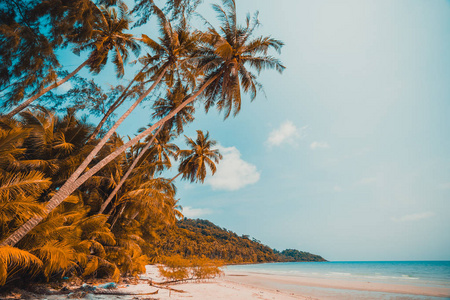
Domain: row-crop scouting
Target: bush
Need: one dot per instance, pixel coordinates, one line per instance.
(177, 268)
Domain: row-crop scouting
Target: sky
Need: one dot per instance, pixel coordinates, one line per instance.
(347, 154)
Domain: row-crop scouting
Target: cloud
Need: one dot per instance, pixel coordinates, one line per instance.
(287, 133)
(192, 213)
(318, 145)
(233, 172)
(413, 217)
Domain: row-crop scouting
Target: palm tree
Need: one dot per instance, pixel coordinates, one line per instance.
(152, 197)
(107, 36)
(162, 107)
(223, 59)
(12, 260)
(175, 97)
(176, 8)
(194, 161)
(54, 145)
(166, 58)
(173, 51)
(168, 54)
(128, 173)
(129, 90)
(227, 54)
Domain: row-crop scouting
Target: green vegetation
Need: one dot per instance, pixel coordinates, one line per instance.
(192, 237)
(40, 150)
(77, 199)
(177, 268)
(295, 255)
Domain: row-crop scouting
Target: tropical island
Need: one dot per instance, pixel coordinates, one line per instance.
(77, 199)
(103, 133)
(202, 236)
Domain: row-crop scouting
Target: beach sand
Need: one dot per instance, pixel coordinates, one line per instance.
(248, 285)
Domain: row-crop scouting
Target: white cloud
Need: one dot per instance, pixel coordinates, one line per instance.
(192, 213)
(233, 172)
(286, 133)
(316, 145)
(413, 217)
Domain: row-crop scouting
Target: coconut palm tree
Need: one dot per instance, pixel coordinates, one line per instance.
(175, 8)
(149, 198)
(175, 97)
(13, 260)
(223, 59)
(107, 36)
(162, 107)
(168, 54)
(226, 56)
(127, 92)
(173, 51)
(54, 145)
(136, 160)
(196, 160)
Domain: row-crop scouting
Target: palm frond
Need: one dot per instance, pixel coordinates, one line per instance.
(11, 257)
(58, 257)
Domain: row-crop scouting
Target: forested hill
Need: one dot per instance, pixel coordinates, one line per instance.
(201, 237)
(295, 255)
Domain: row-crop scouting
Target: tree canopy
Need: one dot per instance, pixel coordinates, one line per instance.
(76, 198)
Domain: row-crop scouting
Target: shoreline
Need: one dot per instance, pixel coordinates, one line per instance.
(253, 285)
(313, 287)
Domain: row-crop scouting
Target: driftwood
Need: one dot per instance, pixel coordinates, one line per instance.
(168, 288)
(97, 291)
(117, 292)
(154, 283)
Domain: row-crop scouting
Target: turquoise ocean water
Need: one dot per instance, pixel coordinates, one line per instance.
(419, 273)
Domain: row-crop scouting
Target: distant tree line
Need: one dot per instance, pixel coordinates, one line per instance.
(293, 255)
(77, 199)
(193, 237)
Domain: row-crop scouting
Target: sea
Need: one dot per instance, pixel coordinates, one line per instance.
(434, 274)
(429, 274)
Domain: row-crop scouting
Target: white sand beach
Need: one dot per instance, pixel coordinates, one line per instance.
(249, 285)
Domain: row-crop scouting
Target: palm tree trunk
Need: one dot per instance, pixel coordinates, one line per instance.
(134, 215)
(70, 184)
(114, 106)
(138, 137)
(47, 89)
(76, 180)
(130, 169)
(117, 216)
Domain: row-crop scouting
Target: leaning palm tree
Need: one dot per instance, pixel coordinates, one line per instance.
(159, 157)
(162, 107)
(223, 59)
(196, 160)
(170, 57)
(152, 196)
(107, 36)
